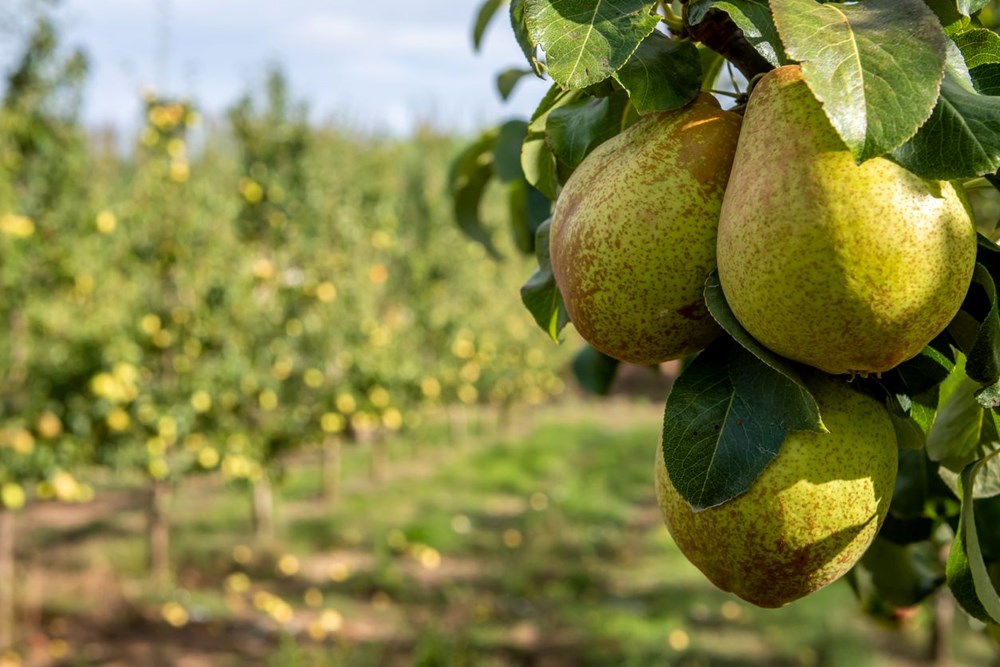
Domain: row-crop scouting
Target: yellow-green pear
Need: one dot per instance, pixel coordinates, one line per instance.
(634, 231)
(849, 268)
(810, 515)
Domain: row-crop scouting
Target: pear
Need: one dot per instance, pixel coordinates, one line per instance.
(634, 231)
(849, 268)
(810, 515)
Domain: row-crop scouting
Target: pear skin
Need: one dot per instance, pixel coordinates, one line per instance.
(848, 268)
(634, 232)
(810, 515)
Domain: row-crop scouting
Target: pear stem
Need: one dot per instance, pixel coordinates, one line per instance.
(718, 32)
(674, 22)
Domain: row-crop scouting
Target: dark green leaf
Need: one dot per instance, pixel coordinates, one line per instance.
(753, 17)
(574, 130)
(540, 294)
(876, 66)
(594, 370)
(521, 34)
(919, 374)
(903, 575)
(725, 420)
(507, 79)
(537, 159)
(711, 65)
(961, 139)
(947, 12)
(983, 363)
(507, 153)
(968, 577)
(719, 308)
(486, 13)
(529, 208)
(470, 173)
(662, 74)
(987, 520)
(912, 485)
(586, 41)
(955, 433)
(981, 50)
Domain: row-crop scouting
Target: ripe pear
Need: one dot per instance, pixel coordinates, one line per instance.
(849, 268)
(634, 231)
(810, 515)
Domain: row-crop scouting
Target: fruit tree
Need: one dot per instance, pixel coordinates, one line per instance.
(800, 199)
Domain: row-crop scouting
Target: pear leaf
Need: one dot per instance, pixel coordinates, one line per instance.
(970, 7)
(983, 364)
(586, 41)
(876, 66)
(959, 421)
(577, 128)
(719, 308)
(961, 139)
(904, 575)
(470, 174)
(520, 26)
(981, 50)
(594, 370)
(509, 78)
(540, 294)
(725, 420)
(537, 160)
(753, 17)
(486, 13)
(662, 74)
(968, 577)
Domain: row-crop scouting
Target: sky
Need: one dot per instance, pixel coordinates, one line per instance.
(374, 66)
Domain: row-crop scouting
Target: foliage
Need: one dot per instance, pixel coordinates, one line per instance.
(912, 81)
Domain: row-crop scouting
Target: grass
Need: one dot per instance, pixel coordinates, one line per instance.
(539, 548)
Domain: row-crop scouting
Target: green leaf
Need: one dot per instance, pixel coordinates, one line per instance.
(470, 173)
(951, 19)
(711, 65)
(662, 74)
(537, 158)
(486, 13)
(876, 66)
(954, 435)
(983, 363)
(529, 208)
(970, 7)
(962, 137)
(586, 41)
(981, 50)
(594, 370)
(507, 151)
(719, 308)
(968, 577)
(574, 130)
(509, 78)
(725, 420)
(540, 294)
(903, 575)
(519, 24)
(753, 17)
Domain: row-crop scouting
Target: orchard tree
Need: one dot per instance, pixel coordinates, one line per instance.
(821, 253)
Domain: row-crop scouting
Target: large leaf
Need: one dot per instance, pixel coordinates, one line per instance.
(469, 176)
(662, 74)
(719, 308)
(540, 294)
(961, 139)
(575, 129)
(876, 66)
(725, 420)
(753, 17)
(537, 159)
(586, 41)
(594, 370)
(519, 25)
(486, 13)
(981, 50)
(968, 577)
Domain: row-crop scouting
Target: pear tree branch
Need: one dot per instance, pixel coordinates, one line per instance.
(718, 32)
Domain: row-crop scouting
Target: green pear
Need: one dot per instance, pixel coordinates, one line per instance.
(849, 268)
(634, 231)
(810, 515)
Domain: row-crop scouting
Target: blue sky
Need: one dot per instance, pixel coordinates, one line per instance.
(376, 66)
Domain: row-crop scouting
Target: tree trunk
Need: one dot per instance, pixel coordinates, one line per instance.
(380, 458)
(6, 580)
(944, 614)
(331, 467)
(158, 525)
(263, 510)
